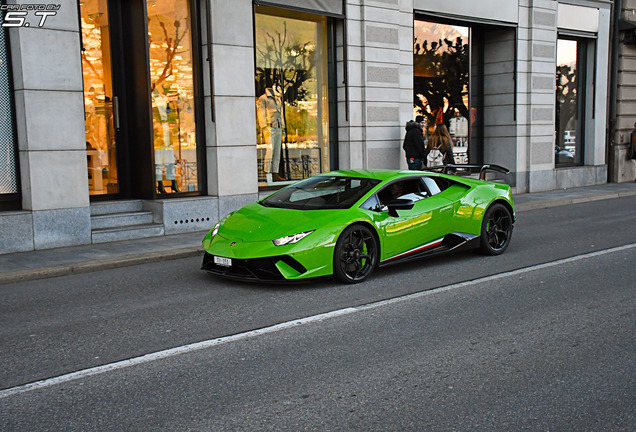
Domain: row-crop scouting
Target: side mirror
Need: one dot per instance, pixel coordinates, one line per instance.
(399, 204)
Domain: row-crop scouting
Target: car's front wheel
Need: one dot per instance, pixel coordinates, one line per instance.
(496, 230)
(356, 254)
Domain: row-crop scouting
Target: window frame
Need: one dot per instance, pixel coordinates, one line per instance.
(581, 104)
(474, 86)
(330, 81)
(13, 200)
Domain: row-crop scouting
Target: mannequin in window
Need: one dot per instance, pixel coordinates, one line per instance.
(164, 154)
(269, 109)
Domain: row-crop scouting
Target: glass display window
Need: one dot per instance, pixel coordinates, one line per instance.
(99, 99)
(570, 88)
(441, 67)
(172, 95)
(292, 95)
(141, 137)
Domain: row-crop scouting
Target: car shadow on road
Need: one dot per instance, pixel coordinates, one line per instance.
(437, 269)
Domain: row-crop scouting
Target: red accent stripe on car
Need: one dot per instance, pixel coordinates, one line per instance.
(417, 249)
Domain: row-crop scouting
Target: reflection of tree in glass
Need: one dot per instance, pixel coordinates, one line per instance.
(91, 49)
(441, 73)
(171, 45)
(171, 73)
(566, 94)
(286, 64)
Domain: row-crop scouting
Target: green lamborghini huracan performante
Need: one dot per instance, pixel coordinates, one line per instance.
(347, 223)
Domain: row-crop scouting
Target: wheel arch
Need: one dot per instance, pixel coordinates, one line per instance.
(505, 204)
(486, 238)
(371, 227)
(363, 270)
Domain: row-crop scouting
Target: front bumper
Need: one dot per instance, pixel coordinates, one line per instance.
(263, 261)
(269, 269)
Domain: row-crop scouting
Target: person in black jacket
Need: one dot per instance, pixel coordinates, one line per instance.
(414, 144)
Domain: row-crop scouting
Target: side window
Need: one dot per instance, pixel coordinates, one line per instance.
(432, 185)
(412, 189)
(372, 204)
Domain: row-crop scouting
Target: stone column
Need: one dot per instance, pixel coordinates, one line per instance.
(536, 94)
(231, 138)
(47, 78)
(622, 168)
(500, 124)
(380, 80)
(597, 109)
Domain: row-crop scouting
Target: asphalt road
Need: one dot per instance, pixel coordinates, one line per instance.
(540, 338)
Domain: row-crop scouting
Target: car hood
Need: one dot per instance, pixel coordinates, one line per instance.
(255, 222)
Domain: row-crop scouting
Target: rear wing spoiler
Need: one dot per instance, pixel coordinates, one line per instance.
(483, 169)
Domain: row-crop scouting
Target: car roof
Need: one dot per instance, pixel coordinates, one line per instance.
(379, 174)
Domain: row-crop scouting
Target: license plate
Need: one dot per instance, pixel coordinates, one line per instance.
(225, 262)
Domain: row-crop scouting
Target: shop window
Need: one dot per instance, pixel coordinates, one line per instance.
(99, 113)
(292, 95)
(124, 160)
(441, 66)
(172, 92)
(570, 91)
(9, 191)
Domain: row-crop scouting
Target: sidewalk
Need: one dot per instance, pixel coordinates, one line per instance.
(80, 259)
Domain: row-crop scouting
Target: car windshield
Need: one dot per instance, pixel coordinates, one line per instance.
(322, 192)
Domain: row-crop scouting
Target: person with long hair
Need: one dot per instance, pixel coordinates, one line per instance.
(440, 147)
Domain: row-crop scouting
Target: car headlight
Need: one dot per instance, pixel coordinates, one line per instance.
(215, 230)
(291, 238)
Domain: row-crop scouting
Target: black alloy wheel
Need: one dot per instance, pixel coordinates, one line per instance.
(496, 229)
(355, 255)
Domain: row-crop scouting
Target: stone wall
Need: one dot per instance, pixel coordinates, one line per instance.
(47, 78)
(624, 169)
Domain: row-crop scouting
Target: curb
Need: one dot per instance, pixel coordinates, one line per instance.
(101, 264)
(572, 200)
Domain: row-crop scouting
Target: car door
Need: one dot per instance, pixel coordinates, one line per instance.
(422, 226)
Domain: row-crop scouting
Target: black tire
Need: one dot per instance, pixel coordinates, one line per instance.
(355, 255)
(496, 230)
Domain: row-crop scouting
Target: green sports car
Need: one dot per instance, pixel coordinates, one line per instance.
(347, 223)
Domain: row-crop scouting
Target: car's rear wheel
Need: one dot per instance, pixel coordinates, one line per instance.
(355, 255)
(496, 230)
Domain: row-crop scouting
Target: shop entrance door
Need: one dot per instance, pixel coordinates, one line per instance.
(139, 77)
(102, 99)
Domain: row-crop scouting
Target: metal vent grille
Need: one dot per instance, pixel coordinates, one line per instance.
(8, 167)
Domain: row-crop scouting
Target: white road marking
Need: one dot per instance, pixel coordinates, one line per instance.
(159, 355)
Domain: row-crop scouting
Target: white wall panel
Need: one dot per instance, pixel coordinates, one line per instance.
(491, 10)
(579, 18)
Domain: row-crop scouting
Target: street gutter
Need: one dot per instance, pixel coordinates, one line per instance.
(98, 264)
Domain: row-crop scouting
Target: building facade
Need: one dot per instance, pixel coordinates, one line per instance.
(622, 140)
(134, 118)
